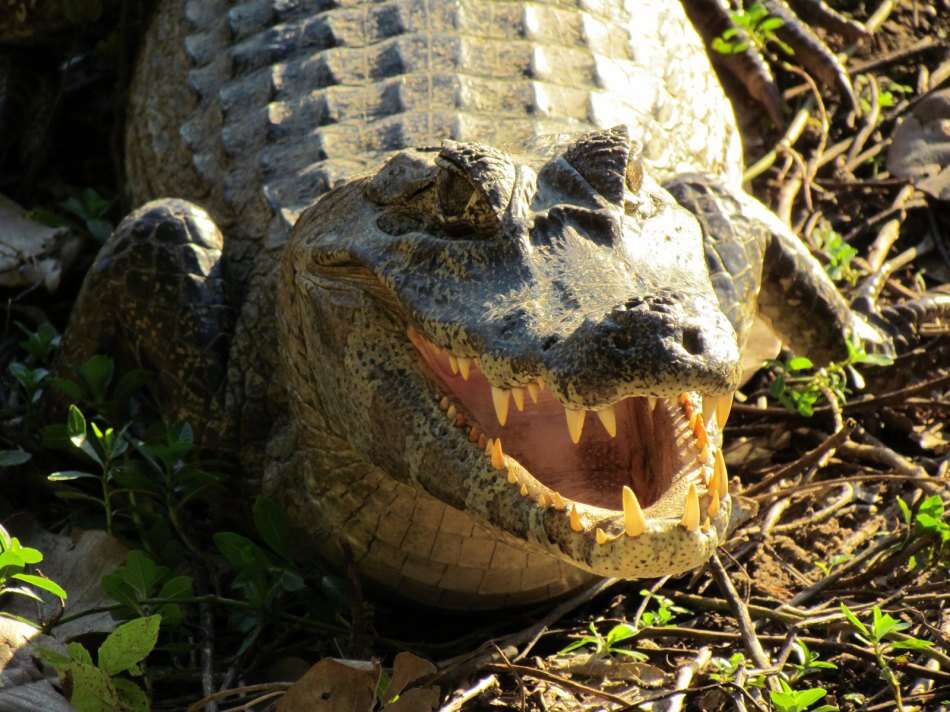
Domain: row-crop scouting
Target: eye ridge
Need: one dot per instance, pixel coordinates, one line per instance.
(462, 206)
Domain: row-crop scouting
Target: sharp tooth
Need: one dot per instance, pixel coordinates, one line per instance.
(518, 395)
(451, 412)
(721, 475)
(497, 456)
(499, 397)
(651, 401)
(713, 508)
(473, 434)
(444, 403)
(524, 490)
(488, 446)
(533, 392)
(542, 500)
(634, 522)
(690, 518)
(575, 520)
(699, 431)
(453, 363)
(512, 477)
(609, 418)
(723, 406)
(575, 423)
(557, 500)
(600, 536)
(709, 408)
(465, 366)
(482, 440)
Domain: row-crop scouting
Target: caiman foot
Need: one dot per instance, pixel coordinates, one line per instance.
(155, 298)
(712, 19)
(904, 322)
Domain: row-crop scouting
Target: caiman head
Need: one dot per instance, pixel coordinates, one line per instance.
(534, 342)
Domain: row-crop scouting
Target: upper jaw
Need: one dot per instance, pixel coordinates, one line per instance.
(625, 537)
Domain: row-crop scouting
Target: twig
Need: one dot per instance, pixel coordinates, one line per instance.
(809, 459)
(528, 671)
(739, 610)
(460, 665)
(266, 687)
(685, 676)
(461, 697)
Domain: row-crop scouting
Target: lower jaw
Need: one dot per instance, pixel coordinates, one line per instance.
(669, 531)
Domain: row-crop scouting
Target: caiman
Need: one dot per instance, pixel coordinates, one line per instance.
(466, 285)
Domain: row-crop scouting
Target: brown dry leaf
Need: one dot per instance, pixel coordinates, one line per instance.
(334, 685)
(30, 253)
(921, 146)
(643, 674)
(26, 684)
(407, 668)
(77, 563)
(418, 699)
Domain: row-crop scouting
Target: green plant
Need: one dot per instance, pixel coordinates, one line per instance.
(607, 644)
(788, 699)
(929, 521)
(729, 670)
(85, 209)
(826, 566)
(879, 639)
(751, 26)
(14, 577)
(141, 579)
(103, 448)
(837, 253)
(95, 387)
(886, 95)
(800, 392)
(808, 663)
(101, 687)
(665, 612)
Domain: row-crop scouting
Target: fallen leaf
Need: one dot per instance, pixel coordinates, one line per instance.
(407, 668)
(333, 685)
(77, 563)
(31, 253)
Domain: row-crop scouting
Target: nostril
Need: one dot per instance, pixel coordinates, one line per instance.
(693, 341)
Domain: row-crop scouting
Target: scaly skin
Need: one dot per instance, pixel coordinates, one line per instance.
(521, 246)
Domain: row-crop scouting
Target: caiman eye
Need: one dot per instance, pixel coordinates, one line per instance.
(462, 207)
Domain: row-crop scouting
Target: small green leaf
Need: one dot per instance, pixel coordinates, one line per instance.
(912, 644)
(853, 619)
(76, 425)
(129, 644)
(242, 553)
(906, 514)
(132, 697)
(12, 458)
(67, 475)
(43, 583)
(270, 520)
(92, 690)
(78, 653)
(799, 363)
(620, 632)
(883, 624)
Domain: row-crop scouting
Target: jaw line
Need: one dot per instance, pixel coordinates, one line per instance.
(527, 508)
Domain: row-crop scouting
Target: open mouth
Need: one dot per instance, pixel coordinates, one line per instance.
(614, 469)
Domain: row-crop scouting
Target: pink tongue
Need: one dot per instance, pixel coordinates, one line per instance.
(593, 471)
